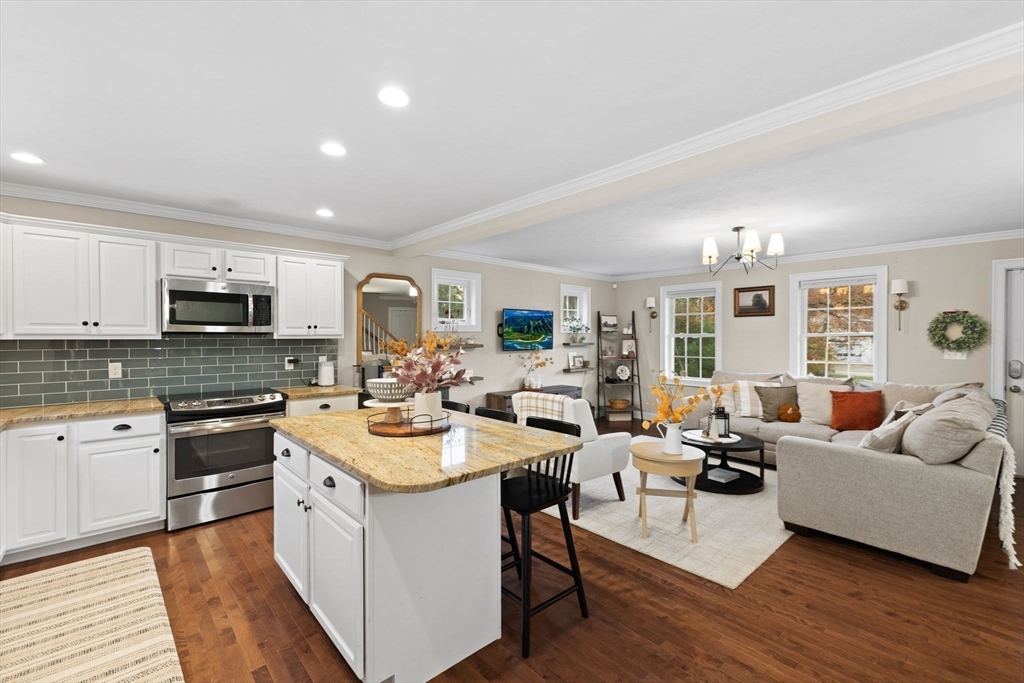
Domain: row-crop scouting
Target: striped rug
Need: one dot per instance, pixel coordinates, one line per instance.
(97, 620)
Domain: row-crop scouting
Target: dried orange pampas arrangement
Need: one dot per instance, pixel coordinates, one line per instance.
(668, 392)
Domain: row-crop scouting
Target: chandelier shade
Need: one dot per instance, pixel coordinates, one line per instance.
(747, 246)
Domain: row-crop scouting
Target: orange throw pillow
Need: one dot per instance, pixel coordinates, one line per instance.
(856, 410)
(789, 413)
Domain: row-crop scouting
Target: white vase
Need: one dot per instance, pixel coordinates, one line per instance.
(673, 438)
(427, 404)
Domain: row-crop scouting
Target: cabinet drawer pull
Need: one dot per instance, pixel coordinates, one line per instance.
(325, 406)
(299, 502)
(156, 450)
(121, 427)
(95, 324)
(307, 508)
(329, 482)
(286, 453)
(85, 322)
(60, 438)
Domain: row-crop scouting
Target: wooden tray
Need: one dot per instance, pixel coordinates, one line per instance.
(407, 427)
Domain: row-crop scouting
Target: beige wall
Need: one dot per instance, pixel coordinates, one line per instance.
(502, 287)
(941, 279)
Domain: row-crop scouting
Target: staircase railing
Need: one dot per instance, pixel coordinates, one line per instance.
(373, 334)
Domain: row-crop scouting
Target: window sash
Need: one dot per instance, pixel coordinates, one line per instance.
(701, 354)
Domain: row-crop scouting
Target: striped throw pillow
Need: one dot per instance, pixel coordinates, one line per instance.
(744, 401)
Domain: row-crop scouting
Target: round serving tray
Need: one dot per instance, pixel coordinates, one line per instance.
(696, 435)
(379, 424)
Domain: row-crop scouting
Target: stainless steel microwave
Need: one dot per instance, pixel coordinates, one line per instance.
(219, 307)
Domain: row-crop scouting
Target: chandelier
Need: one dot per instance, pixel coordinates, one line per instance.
(747, 247)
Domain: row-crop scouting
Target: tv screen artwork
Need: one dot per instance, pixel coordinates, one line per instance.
(527, 330)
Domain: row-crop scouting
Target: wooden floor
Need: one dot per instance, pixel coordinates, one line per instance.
(820, 609)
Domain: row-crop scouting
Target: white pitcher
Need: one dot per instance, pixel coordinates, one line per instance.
(673, 438)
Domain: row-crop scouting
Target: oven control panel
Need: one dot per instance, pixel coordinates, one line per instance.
(190, 404)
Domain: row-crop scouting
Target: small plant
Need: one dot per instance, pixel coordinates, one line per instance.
(576, 325)
(534, 361)
(429, 367)
(394, 347)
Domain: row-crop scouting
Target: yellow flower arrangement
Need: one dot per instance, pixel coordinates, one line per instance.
(395, 347)
(432, 341)
(668, 393)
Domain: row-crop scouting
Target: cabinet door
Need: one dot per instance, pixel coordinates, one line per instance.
(36, 486)
(120, 483)
(291, 528)
(297, 407)
(294, 309)
(123, 287)
(249, 266)
(50, 282)
(326, 294)
(183, 260)
(336, 578)
(3, 484)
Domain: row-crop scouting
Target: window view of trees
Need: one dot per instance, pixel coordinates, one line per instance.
(840, 331)
(451, 302)
(694, 336)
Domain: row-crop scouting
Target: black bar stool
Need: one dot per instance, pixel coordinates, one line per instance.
(503, 415)
(455, 406)
(545, 484)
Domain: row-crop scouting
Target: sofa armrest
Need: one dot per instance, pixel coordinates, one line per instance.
(935, 513)
(605, 455)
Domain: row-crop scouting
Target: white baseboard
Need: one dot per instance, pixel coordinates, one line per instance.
(83, 542)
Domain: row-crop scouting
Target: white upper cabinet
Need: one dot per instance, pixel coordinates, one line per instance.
(73, 284)
(309, 297)
(249, 266)
(123, 287)
(186, 260)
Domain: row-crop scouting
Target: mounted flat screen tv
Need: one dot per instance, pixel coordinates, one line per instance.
(525, 330)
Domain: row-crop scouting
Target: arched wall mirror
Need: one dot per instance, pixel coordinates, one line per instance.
(389, 308)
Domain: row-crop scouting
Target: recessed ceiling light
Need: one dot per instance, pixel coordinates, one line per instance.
(333, 148)
(393, 97)
(324, 213)
(27, 158)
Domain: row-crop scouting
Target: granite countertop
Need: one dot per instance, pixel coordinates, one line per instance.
(10, 417)
(474, 447)
(316, 392)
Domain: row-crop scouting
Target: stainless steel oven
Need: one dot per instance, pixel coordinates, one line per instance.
(224, 307)
(220, 457)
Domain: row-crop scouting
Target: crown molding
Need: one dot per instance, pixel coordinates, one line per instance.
(974, 52)
(838, 253)
(523, 265)
(126, 206)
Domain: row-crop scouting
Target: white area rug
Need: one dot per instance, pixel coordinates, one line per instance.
(735, 533)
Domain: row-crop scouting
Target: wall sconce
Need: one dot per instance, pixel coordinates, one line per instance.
(649, 304)
(899, 288)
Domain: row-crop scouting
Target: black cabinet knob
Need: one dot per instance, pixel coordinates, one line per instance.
(60, 438)
(309, 327)
(329, 482)
(156, 450)
(299, 502)
(314, 327)
(286, 453)
(95, 324)
(306, 508)
(215, 267)
(85, 322)
(229, 270)
(325, 406)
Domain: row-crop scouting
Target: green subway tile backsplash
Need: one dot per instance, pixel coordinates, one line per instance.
(37, 372)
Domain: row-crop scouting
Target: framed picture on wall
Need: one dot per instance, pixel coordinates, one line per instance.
(575, 360)
(753, 301)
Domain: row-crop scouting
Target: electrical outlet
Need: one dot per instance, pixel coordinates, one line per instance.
(323, 359)
(289, 363)
(114, 370)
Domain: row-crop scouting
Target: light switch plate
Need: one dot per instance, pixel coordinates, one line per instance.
(954, 355)
(114, 370)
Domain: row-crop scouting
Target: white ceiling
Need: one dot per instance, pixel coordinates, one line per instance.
(946, 176)
(220, 107)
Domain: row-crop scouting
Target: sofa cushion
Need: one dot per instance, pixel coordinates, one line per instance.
(792, 380)
(773, 431)
(888, 438)
(815, 402)
(852, 437)
(893, 393)
(772, 398)
(856, 410)
(723, 377)
(744, 400)
(745, 425)
(950, 431)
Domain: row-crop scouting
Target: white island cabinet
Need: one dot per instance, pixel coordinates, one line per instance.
(395, 543)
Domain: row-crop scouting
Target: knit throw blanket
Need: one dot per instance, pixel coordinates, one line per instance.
(538, 404)
(997, 432)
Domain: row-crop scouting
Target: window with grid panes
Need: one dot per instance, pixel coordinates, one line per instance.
(691, 330)
(451, 302)
(575, 303)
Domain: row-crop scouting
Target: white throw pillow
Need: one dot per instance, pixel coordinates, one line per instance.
(889, 436)
(815, 402)
(744, 402)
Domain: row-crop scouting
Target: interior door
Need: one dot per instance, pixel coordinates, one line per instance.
(402, 323)
(123, 291)
(50, 285)
(1014, 366)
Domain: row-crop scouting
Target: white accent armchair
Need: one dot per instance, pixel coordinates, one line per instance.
(601, 455)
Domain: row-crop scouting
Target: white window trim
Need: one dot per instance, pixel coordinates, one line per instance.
(798, 314)
(474, 297)
(583, 296)
(666, 326)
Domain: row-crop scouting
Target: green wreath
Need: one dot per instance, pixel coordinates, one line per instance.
(975, 331)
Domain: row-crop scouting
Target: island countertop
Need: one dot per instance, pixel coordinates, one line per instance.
(474, 447)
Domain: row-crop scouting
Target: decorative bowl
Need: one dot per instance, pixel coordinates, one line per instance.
(387, 389)
(618, 403)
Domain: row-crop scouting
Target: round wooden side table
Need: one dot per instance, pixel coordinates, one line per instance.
(649, 459)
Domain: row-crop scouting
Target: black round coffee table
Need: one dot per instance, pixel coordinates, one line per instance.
(747, 482)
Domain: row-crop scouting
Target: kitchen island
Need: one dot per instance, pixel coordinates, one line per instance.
(395, 542)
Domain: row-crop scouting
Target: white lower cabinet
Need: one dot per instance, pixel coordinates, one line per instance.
(36, 486)
(319, 547)
(119, 483)
(336, 578)
(291, 528)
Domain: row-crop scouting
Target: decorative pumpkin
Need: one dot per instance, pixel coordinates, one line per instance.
(789, 413)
